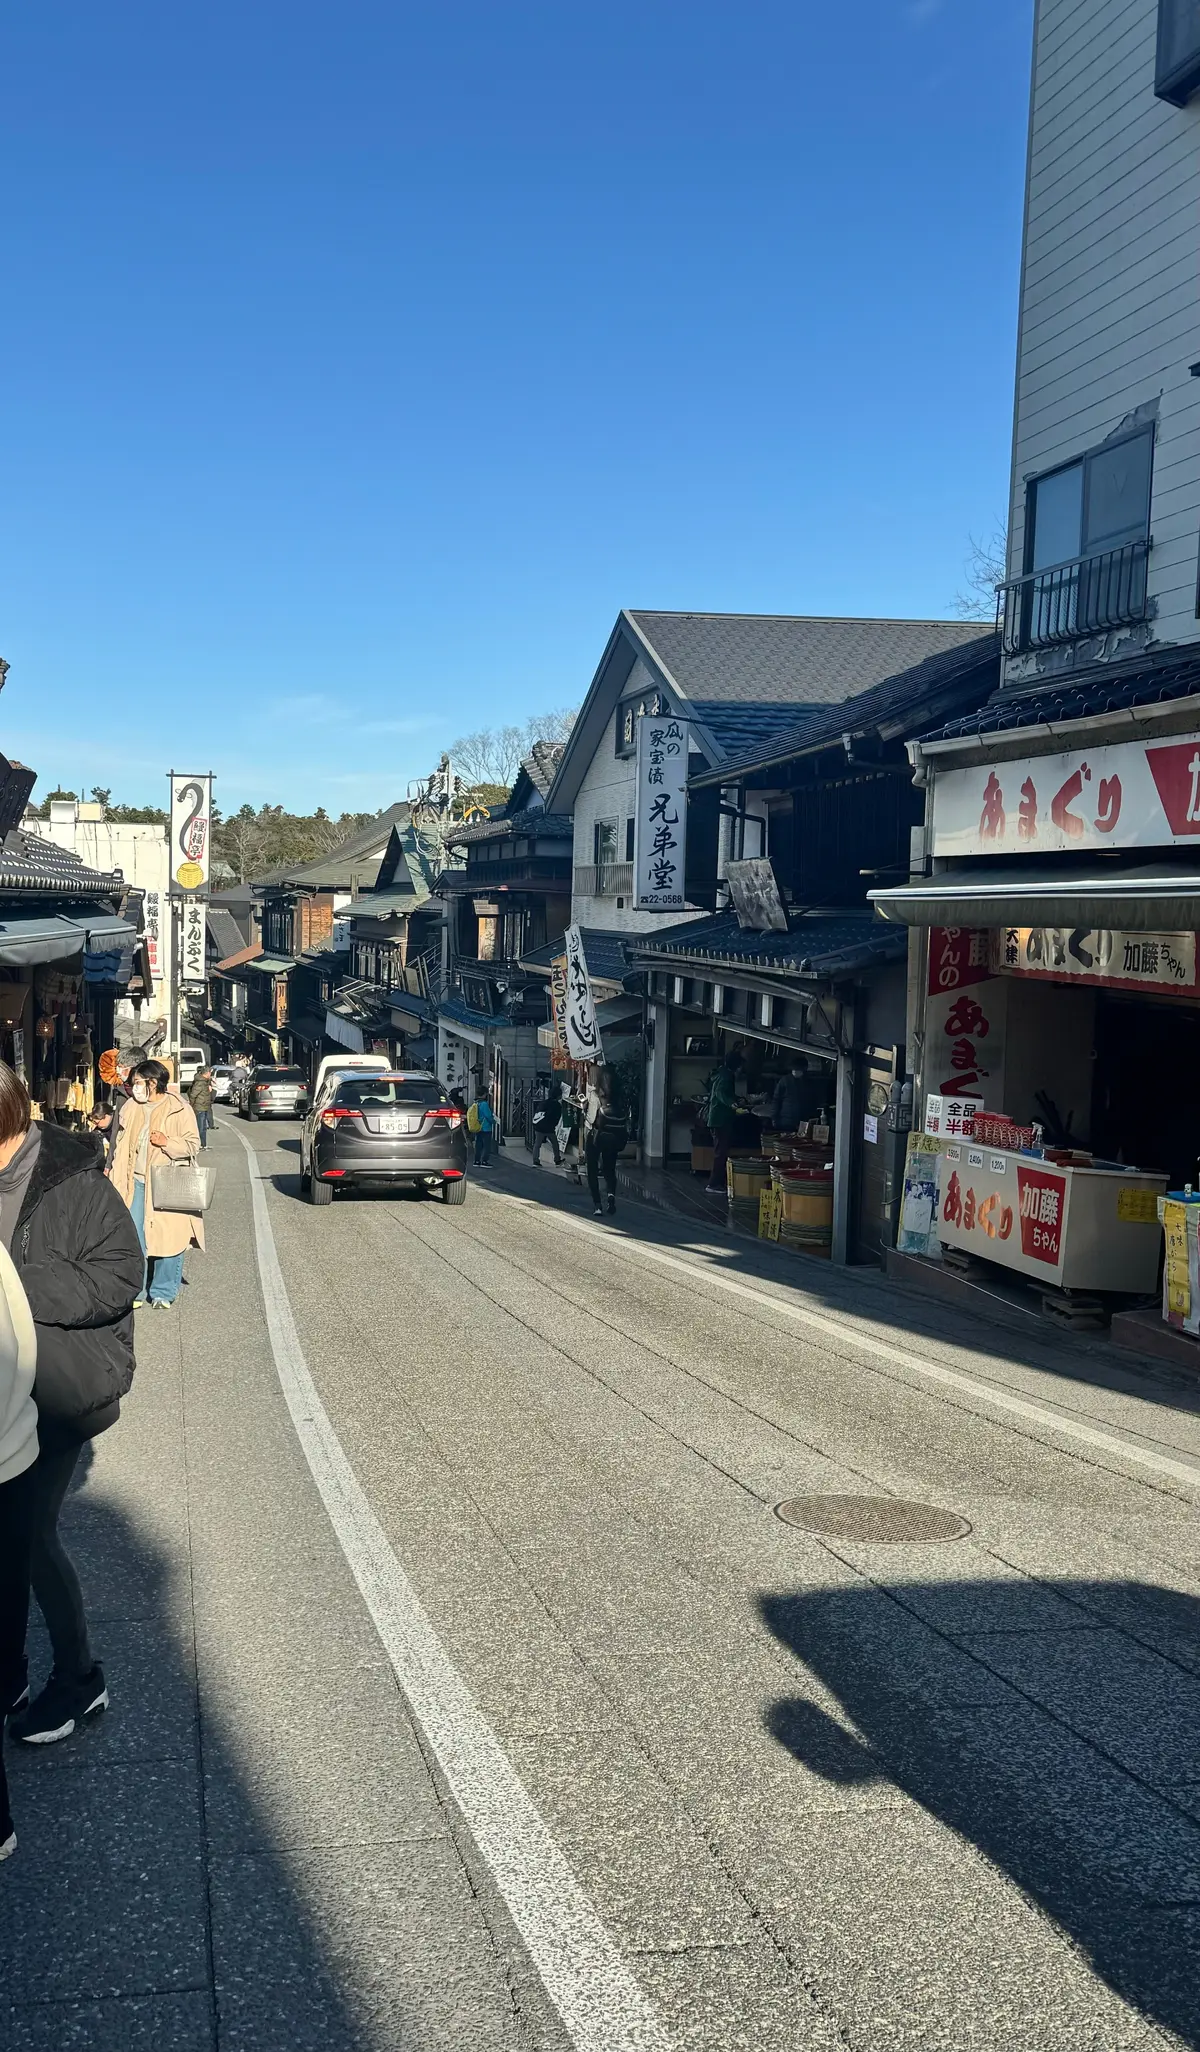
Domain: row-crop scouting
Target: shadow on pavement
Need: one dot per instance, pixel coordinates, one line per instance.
(1066, 1752)
(156, 1898)
(866, 1294)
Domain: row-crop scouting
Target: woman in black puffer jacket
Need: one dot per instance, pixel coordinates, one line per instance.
(76, 1252)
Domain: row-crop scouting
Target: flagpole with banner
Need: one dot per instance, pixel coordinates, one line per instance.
(190, 833)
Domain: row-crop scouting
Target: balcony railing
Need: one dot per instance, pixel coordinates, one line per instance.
(604, 879)
(1068, 600)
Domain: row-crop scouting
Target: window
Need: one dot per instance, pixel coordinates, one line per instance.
(1087, 536)
(1098, 503)
(1177, 64)
(604, 843)
(629, 839)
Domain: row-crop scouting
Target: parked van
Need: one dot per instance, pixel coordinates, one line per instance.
(346, 1061)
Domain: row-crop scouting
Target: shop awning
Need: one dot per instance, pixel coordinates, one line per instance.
(24, 943)
(1161, 898)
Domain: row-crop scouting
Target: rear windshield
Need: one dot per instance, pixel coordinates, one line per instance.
(279, 1075)
(371, 1093)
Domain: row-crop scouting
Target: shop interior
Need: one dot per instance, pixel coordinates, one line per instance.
(698, 1046)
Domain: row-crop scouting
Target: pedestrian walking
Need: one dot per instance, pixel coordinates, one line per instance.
(481, 1120)
(547, 1110)
(18, 1460)
(157, 1124)
(720, 1118)
(76, 1257)
(200, 1097)
(605, 1131)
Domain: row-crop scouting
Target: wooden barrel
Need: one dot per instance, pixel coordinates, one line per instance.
(747, 1176)
(807, 1209)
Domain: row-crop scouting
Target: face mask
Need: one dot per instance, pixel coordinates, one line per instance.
(141, 1092)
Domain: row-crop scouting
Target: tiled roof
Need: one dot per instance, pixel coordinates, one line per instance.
(908, 695)
(333, 872)
(28, 863)
(819, 943)
(541, 762)
(603, 950)
(741, 730)
(791, 659)
(224, 932)
(1084, 694)
(546, 826)
(457, 1009)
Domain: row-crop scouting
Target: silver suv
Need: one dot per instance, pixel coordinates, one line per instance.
(267, 1093)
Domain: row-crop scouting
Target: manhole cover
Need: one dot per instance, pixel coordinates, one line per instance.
(885, 1519)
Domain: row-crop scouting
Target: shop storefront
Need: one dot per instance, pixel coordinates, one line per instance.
(831, 992)
(1056, 1020)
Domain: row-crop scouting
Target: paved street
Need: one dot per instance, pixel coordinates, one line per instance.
(771, 1789)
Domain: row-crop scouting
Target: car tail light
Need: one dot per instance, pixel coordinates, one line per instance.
(446, 1111)
(330, 1117)
(450, 1174)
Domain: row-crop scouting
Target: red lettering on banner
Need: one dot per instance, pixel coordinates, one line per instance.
(958, 955)
(1027, 812)
(1110, 805)
(1041, 1200)
(1064, 819)
(992, 818)
(1176, 773)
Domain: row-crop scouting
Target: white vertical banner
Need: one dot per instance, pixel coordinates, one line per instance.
(192, 937)
(191, 831)
(152, 917)
(660, 814)
(583, 1034)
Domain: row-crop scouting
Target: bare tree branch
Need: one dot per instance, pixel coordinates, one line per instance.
(985, 568)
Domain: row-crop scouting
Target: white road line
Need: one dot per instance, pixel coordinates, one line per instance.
(853, 1335)
(585, 1977)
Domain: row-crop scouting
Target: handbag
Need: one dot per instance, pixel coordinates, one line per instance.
(182, 1186)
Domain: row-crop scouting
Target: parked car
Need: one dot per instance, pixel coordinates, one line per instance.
(191, 1061)
(396, 1130)
(269, 1092)
(224, 1082)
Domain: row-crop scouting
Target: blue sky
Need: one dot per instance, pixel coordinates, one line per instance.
(361, 361)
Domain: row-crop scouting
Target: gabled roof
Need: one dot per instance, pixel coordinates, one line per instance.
(358, 856)
(541, 763)
(604, 952)
(901, 703)
(224, 932)
(738, 661)
(799, 659)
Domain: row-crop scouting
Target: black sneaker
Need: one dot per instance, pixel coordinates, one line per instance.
(598, 1212)
(60, 1708)
(612, 1205)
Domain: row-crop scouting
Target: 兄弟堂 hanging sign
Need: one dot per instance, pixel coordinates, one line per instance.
(660, 814)
(1128, 796)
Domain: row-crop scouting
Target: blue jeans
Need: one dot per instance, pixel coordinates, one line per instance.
(166, 1272)
(205, 1123)
(483, 1147)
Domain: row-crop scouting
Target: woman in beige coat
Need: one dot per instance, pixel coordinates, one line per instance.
(156, 1123)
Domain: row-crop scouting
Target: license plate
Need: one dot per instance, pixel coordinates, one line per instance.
(395, 1125)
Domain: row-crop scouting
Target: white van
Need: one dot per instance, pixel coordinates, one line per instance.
(330, 1063)
(191, 1061)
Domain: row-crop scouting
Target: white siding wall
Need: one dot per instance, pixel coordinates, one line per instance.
(1110, 306)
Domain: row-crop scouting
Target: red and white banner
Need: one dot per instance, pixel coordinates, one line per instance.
(1127, 796)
